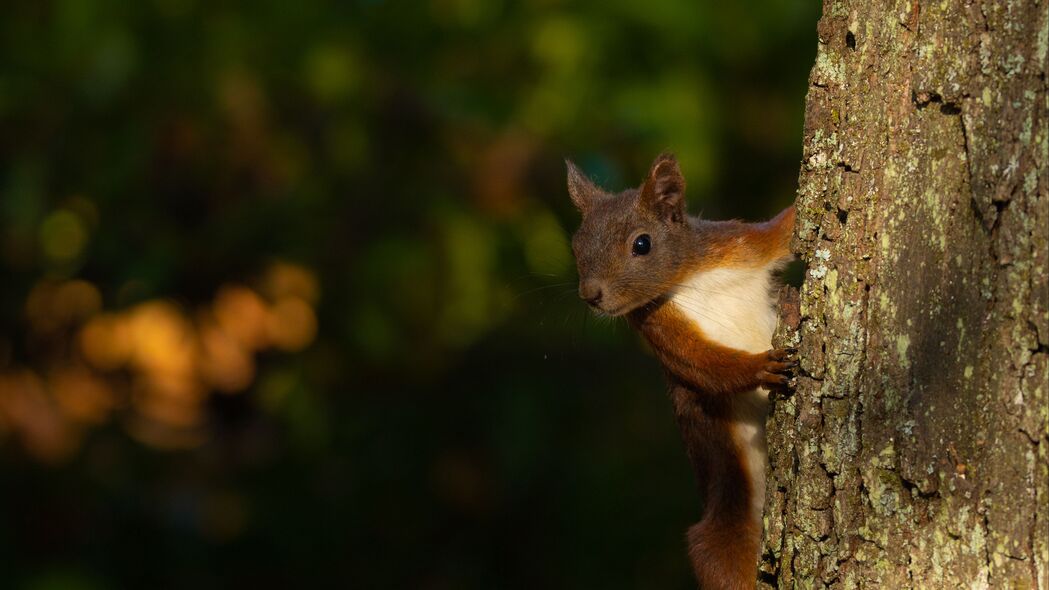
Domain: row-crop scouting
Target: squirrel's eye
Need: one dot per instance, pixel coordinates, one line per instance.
(642, 244)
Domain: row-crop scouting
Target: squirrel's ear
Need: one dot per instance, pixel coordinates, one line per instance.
(664, 189)
(582, 191)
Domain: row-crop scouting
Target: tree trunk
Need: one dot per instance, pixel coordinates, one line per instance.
(913, 452)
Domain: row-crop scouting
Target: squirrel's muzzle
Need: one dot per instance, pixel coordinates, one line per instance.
(591, 291)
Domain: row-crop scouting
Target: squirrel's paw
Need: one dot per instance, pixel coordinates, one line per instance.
(778, 369)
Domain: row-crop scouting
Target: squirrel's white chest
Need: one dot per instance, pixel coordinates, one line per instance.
(730, 306)
(733, 307)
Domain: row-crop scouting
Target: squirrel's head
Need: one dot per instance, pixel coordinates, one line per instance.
(631, 247)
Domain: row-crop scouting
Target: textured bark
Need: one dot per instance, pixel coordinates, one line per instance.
(913, 453)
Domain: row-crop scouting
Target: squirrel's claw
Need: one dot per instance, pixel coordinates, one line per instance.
(778, 370)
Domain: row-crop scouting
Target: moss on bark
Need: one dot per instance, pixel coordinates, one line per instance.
(913, 452)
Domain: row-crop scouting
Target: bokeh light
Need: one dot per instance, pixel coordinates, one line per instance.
(154, 362)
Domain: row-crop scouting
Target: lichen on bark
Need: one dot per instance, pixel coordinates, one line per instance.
(914, 451)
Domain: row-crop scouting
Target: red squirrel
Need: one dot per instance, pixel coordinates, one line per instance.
(700, 293)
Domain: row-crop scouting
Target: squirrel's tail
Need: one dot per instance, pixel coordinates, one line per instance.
(724, 551)
(723, 546)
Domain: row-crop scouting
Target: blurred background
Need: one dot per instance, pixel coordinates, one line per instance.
(287, 292)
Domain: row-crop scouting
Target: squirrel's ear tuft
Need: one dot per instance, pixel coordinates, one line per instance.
(582, 191)
(664, 189)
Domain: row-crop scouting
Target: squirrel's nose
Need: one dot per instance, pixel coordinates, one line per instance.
(591, 291)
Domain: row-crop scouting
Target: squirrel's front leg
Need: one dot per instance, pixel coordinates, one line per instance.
(706, 365)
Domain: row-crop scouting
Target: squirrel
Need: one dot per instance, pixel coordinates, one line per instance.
(700, 293)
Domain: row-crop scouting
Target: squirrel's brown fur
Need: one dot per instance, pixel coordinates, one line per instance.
(714, 386)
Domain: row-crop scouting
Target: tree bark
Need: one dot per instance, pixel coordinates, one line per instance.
(914, 452)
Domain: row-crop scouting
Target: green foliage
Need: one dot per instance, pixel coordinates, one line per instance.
(458, 420)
